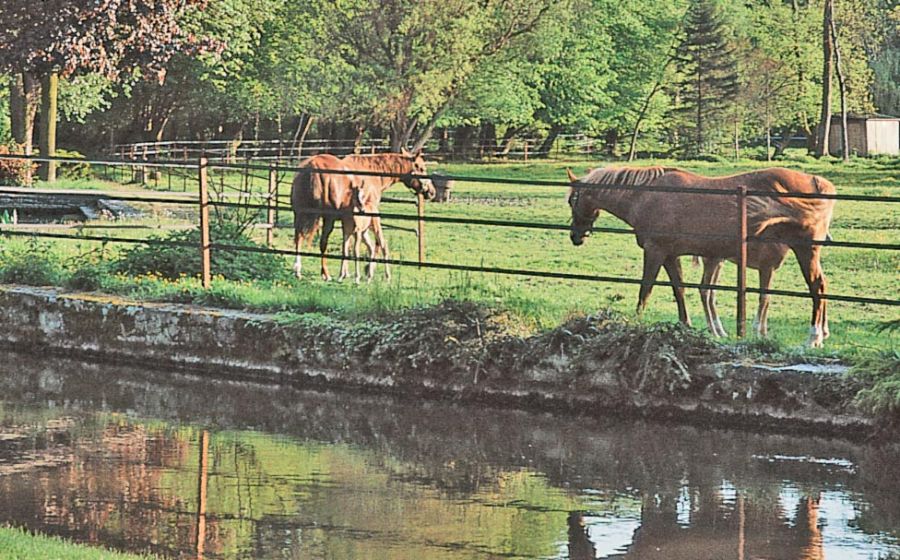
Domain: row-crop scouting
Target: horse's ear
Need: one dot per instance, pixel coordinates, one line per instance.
(405, 153)
(417, 153)
(572, 177)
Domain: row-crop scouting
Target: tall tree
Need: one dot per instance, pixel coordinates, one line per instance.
(407, 60)
(823, 137)
(708, 67)
(54, 38)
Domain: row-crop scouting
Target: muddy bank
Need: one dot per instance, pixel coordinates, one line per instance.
(596, 365)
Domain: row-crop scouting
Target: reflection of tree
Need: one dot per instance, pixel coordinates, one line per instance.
(425, 477)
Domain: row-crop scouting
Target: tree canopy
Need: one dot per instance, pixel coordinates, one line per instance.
(474, 70)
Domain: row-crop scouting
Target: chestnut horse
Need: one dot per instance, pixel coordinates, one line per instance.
(328, 196)
(366, 199)
(668, 225)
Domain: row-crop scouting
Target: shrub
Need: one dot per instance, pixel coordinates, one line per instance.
(13, 172)
(31, 263)
(881, 374)
(73, 170)
(175, 261)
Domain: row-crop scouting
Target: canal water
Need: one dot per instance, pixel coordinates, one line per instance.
(186, 468)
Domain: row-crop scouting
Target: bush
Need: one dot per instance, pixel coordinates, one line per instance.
(881, 374)
(31, 263)
(73, 170)
(175, 261)
(14, 172)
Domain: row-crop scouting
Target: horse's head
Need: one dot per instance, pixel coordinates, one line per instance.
(583, 212)
(417, 167)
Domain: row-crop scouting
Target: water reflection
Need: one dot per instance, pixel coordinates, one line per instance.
(188, 468)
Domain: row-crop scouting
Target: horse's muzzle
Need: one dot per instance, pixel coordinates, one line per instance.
(577, 238)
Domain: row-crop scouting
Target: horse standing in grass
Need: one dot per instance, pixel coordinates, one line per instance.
(328, 196)
(366, 200)
(668, 225)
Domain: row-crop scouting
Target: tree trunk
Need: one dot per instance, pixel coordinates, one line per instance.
(827, 73)
(462, 141)
(547, 144)
(640, 119)
(24, 90)
(508, 138)
(783, 143)
(845, 137)
(49, 91)
(612, 142)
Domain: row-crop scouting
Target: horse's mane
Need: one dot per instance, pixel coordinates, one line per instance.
(625, 175)
(385, 163)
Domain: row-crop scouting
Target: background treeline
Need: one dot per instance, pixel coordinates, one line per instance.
(673, 77)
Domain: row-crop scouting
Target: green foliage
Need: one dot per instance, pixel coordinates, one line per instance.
(74, 171)
(177, 261)
(709, 78)
(19, 544)
(13, 172)
(28, 263)
(881, 373)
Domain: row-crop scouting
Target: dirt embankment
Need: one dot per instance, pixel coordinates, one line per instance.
(600, 364)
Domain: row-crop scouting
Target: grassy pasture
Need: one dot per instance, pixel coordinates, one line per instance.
(539, 303)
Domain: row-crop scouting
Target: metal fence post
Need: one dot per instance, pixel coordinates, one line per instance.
(272, 216)
(205, 274)
(420, 226)
(742, 262)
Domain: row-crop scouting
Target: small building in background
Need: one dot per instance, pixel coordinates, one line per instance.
(868, 135)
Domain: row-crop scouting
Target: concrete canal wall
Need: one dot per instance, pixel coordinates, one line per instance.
(593, 365)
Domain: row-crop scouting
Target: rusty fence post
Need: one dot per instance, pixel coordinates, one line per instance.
(205, 274)
(272, 215)
(742, 262)
(420, 226)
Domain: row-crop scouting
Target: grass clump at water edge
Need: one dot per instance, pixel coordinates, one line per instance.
(19, 544)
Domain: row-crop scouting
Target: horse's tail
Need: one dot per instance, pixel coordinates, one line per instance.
(306, 222)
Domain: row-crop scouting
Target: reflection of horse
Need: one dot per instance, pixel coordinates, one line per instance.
(669, 225)
(321, 195)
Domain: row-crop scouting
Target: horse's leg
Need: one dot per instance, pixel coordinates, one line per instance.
(673, 268)
(298, 246)
(348, 228)
(761, 324)
(327, 226)
(380, 241)
(808, 258)
(653, 260)
(357, 237)
(712, 301)
(711, 268)
(370, 267)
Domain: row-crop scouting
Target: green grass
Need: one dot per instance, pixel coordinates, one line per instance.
(541, 303)
(18, 544)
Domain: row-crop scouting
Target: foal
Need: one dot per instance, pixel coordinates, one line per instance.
(366, 200)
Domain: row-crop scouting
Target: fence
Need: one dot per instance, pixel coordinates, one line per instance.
(272, 201)
(286, 151)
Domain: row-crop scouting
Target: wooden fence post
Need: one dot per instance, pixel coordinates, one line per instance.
(420, 226)
(742, 262)
(205, 274)
(272, 216)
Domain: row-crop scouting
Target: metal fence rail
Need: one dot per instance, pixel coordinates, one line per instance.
(272, 203)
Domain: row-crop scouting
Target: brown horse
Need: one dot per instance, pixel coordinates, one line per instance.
(366, 199)
(668, 225)
(328, 196)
